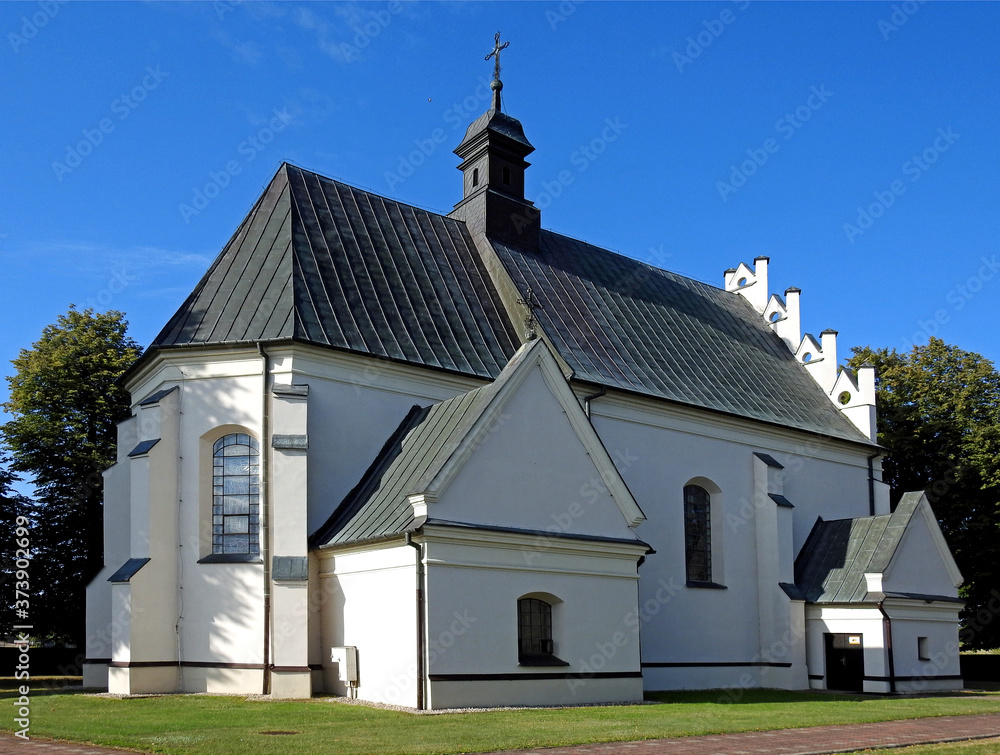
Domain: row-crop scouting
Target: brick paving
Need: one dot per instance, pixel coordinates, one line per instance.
(816, 740)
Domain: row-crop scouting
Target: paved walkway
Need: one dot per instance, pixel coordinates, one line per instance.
(817, 740)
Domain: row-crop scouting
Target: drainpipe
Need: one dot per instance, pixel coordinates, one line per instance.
(887, 623)
(871, 483)
(421, 673)
(591, 397)
(265, 523)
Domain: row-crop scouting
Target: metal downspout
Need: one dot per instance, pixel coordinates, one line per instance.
(871, 483)
(591, 397)
(887, 623)
(421, 673)
(265, 519)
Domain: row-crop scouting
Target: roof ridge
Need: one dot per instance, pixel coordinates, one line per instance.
(367, 190)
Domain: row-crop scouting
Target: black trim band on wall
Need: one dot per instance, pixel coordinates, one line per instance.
(188, 664)
(531, 677)
(734, 664)
(97, 660)
(291, 669)
(928, 678)
(817, 677)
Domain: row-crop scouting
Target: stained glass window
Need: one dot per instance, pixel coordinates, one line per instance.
(236, 495)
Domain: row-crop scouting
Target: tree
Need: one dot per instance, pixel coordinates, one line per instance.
(15, 510)
(65, 405)
(939, 419)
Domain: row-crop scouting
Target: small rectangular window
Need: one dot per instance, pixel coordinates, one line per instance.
(923, 652)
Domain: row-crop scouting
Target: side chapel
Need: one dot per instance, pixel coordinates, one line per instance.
(451, 460)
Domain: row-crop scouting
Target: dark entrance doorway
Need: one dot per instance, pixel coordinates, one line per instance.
(845, 662)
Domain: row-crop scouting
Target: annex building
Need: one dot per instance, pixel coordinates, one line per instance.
(450, 460)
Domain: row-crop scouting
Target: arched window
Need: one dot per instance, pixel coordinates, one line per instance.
(235, 494)
(697, 534)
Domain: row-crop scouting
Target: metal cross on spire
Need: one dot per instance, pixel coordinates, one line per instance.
(496, 85)
(497, 47)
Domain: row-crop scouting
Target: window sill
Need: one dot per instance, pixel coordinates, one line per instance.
(706, 585)
(231, 558)
(539, 660)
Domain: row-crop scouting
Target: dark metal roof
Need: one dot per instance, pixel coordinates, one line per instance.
(832, 564)
(328, 264)
(622, 323)
(128, 570)
(157, 397)
(497, 122)
(143, 448)
(323, 262)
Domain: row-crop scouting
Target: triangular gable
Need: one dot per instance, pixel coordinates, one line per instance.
(853, 560)
(433, 445)
(533, 354)
(911, 567)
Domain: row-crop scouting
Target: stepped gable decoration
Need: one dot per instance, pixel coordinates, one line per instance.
(853, 394)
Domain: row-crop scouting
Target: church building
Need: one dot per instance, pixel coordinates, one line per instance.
(463, 460)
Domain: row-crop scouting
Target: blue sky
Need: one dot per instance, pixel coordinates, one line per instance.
(137, 136)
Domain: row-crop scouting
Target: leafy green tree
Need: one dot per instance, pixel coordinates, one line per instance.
(15, 510)
(65, 405)
(939, 419)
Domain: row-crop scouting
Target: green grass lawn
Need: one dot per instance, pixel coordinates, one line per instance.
(223, 725)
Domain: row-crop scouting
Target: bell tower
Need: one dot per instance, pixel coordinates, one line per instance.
(493, 166)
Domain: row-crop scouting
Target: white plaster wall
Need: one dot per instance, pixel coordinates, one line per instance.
(370, 604)
(540, 692)
(222, 604)
(660, 449)
(154, 586)
(226, 624)
(939, 624)
(529, 470)
(355, 404)
(102, 627)
(867, 622)
(918, 566)
(473, 592)
(473, 585)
